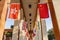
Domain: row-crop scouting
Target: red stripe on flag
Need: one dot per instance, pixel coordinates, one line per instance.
(43, 10)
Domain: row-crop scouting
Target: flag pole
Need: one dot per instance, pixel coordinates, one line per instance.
(19, 21)
(18, 24)
(41, 29)
(40, 25)
(42, 21)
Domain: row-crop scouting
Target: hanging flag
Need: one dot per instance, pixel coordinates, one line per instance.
(43, 10)
(14, 9)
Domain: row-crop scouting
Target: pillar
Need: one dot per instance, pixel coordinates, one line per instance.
(3, 18)
(57, 12)
(30, 10)
(54, 10)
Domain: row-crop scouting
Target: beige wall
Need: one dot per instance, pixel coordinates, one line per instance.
(57, 10)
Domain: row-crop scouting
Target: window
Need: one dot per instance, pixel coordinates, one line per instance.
(30, 23)
(29, 5)
(30, 14)
(30, 19)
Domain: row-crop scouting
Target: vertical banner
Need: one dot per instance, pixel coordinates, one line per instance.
(14, 10)
(43, 10)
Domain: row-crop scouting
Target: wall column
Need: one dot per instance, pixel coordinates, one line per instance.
(54, 10)
(3, 20)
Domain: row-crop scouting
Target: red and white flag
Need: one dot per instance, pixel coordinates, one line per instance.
(43, 10)
(14, 9)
